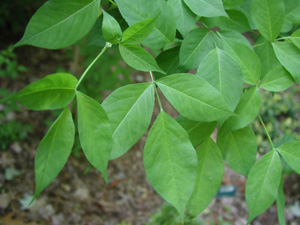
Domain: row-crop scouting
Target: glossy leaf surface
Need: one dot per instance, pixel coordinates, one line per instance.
(51, 92)
(94, 132)
(262, 184)
(238, 149)
(209, 178)
(170, 161)
(52, 26)
(129, 110)
(54, 150)
(290, 152)
(193, 97)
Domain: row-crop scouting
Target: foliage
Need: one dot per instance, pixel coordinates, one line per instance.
(226, 90)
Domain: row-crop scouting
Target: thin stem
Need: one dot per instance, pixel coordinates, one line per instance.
(283, 38)
(112, 2)
(107, 45)
(268, 135)
(156, 93)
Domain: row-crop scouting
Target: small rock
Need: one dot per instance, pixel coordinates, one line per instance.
(16, 147)
(47, 212)
(4, 201)
(82, 194)
(58, 219)
(240, 221)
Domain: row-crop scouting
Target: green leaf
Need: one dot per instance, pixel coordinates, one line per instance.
(278, 79)
(246, 110)
(292, 16)
(138, 58)
(264, 50)
(207, 8)
(185, 18)
(224, 73)
(197, 131)
(170, 162)
(193, 97)
(136, 33)
(111, 29)
(129, 110)
(247, 59)
(246, 9)
(295, 38)
(54, 91)
(52, 26)
(94, 132)
(262, 184)
(54, 150)
(280, 203)
(268, 17)
(290, 152)
(289, 57)
(238, 149)
(236, 20)
(220, 38)
(231, 4)
(209, 178)
(195, 46)
(164, 26)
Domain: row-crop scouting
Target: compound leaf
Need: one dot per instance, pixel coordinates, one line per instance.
(129, 110)
(193, 97)
(206, 8)
(54, 91)
(268, 17)
(209, 178)
(111, 29)
(197, 131)
(94, 132)
(53, 25)
(170, 161)
(278, 79)
(138, 58)
(290, 152)
(238, 149)
(54, 150)
(262, 184)
(289, 56)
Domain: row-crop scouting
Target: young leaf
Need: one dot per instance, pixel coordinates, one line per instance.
(246, 110)
(138, 58)
(262, 184)
(247, 59)
(136, 33)
(54, 150)
(231, 4)
(164, 26)
(236, 20)
(280, 203)
(295, 38)
(197, 131)
(195, 47)
(111, 29)
(193, 97)
(290, 152)
(185, 18)
(278, 79)
(52, 26)
(54, 91)
(289, 56)
(239, 149)
(268, 17)
(209, 177)
(264, 50)
(170, 162)
(224, 73)
(129, 110)
(94, 132)
(207, 8)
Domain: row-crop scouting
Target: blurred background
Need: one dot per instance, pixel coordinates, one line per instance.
(74, 198)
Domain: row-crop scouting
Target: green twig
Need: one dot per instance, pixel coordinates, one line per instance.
(107, 45)
(268, 135)
(157, 96)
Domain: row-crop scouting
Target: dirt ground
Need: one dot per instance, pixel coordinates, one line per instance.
(74, 198)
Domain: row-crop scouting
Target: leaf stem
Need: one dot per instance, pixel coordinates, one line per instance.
(268, 135)
(107, 45)
(157, 96)
(112, 2)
